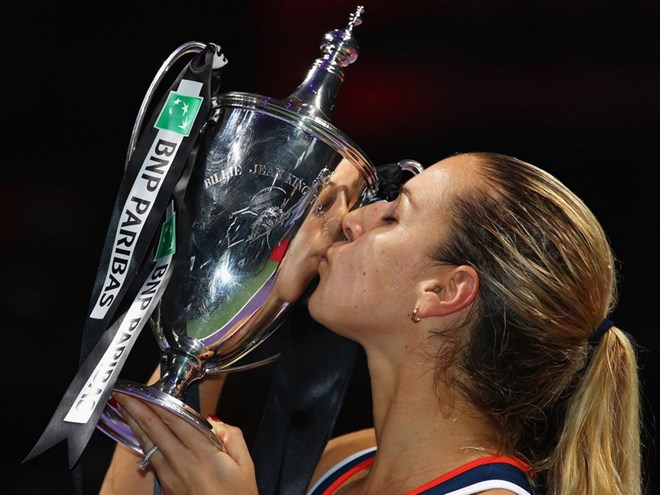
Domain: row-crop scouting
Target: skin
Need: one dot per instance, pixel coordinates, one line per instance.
(317, 233)
(368, 287)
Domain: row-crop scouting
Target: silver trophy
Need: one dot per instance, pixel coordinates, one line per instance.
(273, 181)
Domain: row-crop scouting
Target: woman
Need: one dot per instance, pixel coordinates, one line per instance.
(480, 296)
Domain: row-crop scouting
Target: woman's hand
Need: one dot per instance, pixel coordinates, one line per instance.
(123, 475)
(187, 462)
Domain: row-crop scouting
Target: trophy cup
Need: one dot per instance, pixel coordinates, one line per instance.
(265, 199)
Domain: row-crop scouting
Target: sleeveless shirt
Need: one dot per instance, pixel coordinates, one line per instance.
(486, 473)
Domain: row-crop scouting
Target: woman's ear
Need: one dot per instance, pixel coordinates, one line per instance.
(449, 293)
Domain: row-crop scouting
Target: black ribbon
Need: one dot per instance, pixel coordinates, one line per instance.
(156, 167)
(306, 395)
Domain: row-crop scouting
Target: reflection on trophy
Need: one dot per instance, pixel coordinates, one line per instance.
(271, 184)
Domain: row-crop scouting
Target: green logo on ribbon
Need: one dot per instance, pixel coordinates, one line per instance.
(178, 113)
(167, 241)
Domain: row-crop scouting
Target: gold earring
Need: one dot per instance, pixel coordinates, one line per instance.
(414, 317)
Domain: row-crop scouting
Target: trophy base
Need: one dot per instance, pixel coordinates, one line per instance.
(113, 424)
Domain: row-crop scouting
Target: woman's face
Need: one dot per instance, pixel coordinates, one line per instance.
(372, 279)
(319, 230)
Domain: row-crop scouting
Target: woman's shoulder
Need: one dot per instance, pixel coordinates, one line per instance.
(341, 447)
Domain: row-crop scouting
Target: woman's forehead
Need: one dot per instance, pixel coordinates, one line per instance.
(446, 176)
(462, 163)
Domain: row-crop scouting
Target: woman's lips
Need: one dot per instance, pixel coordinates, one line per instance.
(324, 259)
(328, 252)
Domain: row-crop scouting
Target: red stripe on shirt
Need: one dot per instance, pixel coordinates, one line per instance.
(340, 481)
(466, 467)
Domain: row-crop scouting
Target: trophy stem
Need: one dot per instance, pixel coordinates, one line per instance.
(179, 370)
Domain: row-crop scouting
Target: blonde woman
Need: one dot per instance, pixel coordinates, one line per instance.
(481, 297)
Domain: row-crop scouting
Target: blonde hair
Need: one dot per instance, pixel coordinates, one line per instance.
(599, 449)
(547, 279)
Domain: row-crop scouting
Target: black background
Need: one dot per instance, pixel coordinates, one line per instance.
(571, 86)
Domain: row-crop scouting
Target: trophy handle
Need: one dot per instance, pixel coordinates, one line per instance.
(188, 48)
(245, 367)
(412, 166)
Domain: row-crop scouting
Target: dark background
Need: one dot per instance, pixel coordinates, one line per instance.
(571, 86)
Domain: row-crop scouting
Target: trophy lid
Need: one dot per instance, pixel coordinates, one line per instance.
(310, 106)
(318, 92)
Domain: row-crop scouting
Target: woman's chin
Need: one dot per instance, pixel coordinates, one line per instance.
(315, 307)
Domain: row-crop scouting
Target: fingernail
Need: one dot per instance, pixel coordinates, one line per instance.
(112, 402)
(214, 418)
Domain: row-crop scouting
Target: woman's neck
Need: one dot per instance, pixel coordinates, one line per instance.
(422, 431)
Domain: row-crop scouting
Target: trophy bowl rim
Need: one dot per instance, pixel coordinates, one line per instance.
(308, 122)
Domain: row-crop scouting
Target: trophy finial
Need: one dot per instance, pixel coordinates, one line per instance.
(354, 18)
(339, 49)
(338, 46)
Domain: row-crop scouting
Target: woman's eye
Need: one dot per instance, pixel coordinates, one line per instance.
(388, 219)
(319, 209)
(325, 202)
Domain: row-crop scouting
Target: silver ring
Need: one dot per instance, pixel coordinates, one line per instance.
(144, 463)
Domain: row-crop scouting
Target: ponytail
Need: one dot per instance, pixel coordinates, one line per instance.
(599, 450)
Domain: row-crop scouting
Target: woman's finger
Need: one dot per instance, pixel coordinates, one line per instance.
(132, 423)
(149, 449)
(148, 427)
(186, 432)
(233, 441)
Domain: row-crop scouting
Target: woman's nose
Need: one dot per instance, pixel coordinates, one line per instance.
(358, 221)
(350, 225)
